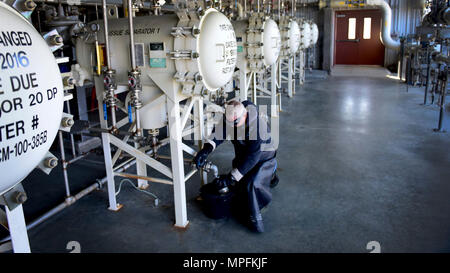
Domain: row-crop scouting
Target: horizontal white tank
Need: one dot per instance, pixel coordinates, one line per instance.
(177, 58)
(31, 98)
(290, 36)
(314, 34)
(258, 42)
(305, 30)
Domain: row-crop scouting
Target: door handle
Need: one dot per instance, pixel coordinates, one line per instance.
(350, 41)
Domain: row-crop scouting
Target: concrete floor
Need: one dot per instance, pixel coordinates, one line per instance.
(358, 162)
(373, 71)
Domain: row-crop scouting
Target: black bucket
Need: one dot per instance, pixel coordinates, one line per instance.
(216, 205)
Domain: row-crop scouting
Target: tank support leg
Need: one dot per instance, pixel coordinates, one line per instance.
(443, 92)
(294, 79)
(18, 229)
(427, 84)
(290, 78)
(109, 173)
(199, 123)
(106, 143)
(273, 86)
(242, 85)
(254, 98)
(141, 170)
(176, 153)
(302, 66)
(280, 74)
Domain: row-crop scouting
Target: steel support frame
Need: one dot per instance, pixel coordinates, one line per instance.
(291, 86)
(442, 87)
(300, 69)
(274, 108)
(199, 132)
(272, 93)
(288, 67)
(18, 229)
(177, 121)
(141, 170)
(176, 153)
(254, 94)
(244, 83)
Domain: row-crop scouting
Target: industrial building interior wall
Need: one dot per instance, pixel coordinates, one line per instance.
(405, 19)
(313, 13)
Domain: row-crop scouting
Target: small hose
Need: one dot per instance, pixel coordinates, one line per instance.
(138, 189)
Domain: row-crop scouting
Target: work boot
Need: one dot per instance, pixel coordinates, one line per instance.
(256, 225)
(274, 181)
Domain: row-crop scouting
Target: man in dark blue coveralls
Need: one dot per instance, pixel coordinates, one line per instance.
(254, 165)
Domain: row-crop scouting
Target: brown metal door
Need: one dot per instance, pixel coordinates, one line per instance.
(358, 38)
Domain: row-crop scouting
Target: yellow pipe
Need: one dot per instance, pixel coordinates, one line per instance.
(99, 63)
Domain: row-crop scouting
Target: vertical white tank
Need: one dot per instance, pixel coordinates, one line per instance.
(31, 98)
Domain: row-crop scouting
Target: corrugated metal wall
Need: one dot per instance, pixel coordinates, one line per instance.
(405, 20)
(405, 17)
(314, 14)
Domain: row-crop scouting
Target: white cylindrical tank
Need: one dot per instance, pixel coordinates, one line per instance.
(305, 30)
(290, 36)
(314, 34)
(31, 98)
(258, 42)
(217, 47)
(177, 58)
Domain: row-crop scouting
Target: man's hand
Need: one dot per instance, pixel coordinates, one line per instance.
(200, 158)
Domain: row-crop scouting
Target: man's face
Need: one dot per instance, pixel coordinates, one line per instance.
(242, 121)
(234, 118)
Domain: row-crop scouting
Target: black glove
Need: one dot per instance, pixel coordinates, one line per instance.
(200, 158)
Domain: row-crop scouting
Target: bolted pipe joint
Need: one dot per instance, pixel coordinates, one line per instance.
(20, 197)
(29, 5)
(68, 81)
(195, 55)
(209, 167)
(70, 200)
(109, 79)
(67, 122)
(51, 162)
(198, 77)
(110, 87)
(195, 31)
(56, 40)
(135, 88)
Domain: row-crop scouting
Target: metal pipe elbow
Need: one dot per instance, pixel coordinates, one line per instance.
(386, 38)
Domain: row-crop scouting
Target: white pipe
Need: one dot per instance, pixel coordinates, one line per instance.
(385, 35)
(132, 45)
(293, 8)
(106, 33)
(386, 38)
(240, 10)
(215, 170)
